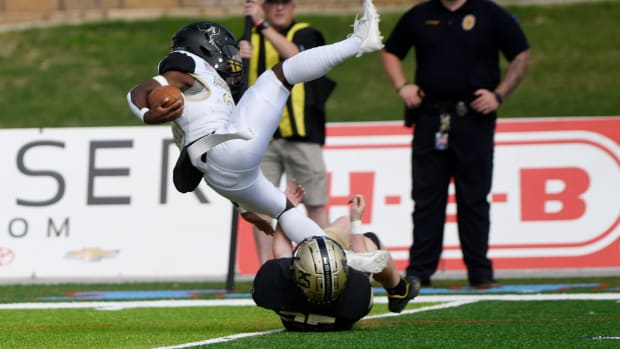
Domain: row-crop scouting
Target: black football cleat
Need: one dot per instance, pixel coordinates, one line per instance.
(398, 302)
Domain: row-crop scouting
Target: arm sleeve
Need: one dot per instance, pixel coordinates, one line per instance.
(401, 38)
(511, 38)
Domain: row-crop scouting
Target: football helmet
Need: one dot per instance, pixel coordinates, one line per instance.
(320, 269)
(216, 45)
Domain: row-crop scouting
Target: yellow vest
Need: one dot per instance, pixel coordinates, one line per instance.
(296, 105)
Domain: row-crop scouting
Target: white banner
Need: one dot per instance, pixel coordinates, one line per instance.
(99, 203)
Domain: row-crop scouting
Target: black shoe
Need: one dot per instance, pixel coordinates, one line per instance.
(424, 281)
(486, 284)
(397, 302)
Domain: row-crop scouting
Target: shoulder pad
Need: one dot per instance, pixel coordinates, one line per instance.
(177, 61)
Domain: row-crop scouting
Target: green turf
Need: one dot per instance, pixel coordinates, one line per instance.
(79, 75)
(484, 324)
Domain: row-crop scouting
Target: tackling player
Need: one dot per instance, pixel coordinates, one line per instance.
(315, 290)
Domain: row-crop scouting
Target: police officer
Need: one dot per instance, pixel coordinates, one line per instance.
(453, 101)
(296, 149)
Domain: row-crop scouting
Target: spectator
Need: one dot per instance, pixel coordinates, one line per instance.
(453, 102)
(296, 149)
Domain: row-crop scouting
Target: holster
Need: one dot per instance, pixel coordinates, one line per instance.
(410, 116)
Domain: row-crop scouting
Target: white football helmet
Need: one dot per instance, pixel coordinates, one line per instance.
(320, 269)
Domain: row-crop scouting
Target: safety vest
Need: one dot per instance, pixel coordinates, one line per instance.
(292, 121)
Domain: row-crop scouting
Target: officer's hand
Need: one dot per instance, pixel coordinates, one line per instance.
(245, 49)
(485, 102)
(412, 95)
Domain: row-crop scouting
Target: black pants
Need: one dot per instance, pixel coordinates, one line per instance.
(469, 160)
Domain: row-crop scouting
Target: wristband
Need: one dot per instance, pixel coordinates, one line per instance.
(261, 25)
(401, 87)
(161, 80)
(142, 112)
(356, 227)
(499, 98)
(134, 108)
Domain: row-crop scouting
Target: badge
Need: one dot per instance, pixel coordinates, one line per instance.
(461, 108)
(441, 136)
(441, 140)
(469, 22)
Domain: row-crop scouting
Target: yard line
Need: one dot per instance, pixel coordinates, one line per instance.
(452, 304)
(220, 339)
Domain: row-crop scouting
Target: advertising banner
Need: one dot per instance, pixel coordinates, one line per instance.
(554, 200)
(99, 203)
(83, 203)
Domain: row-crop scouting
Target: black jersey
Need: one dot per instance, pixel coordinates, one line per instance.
(456, 52)
(274, 289)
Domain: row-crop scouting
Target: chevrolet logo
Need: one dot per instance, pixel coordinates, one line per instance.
(91, 254)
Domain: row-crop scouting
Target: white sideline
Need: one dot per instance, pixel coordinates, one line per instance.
(120, 305)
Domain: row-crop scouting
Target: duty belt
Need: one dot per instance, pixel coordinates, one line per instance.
(457, 106)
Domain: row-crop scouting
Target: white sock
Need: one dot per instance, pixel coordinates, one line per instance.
(297, 226)
(311, 64)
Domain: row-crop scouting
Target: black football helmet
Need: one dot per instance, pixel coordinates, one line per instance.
(216, 45)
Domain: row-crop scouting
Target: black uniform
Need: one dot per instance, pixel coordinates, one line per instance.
(456, 53)
(274, 289)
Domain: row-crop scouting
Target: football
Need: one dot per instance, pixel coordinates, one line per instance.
(165, 95)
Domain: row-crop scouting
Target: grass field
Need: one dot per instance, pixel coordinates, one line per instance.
(542, 313)
(79, 75)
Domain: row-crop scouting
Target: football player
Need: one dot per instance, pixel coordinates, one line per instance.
(224, 142)
(300, 294)
(315, 289)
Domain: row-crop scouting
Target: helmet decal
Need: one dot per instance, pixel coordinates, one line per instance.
(320, 269)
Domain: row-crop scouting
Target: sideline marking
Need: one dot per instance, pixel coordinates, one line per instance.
(598, 338)
(120, 305)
